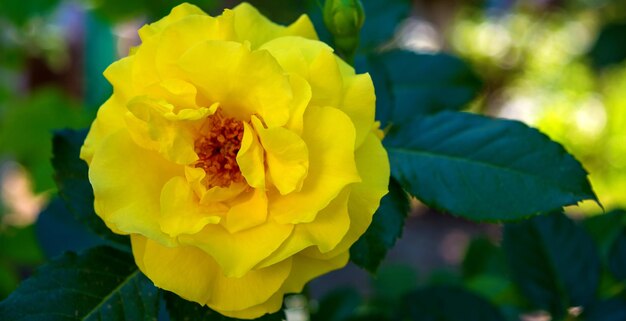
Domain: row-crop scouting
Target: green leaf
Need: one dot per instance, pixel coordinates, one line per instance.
(617, 258)
(410, 85)
(183, 310)
(381, 21)
(444, 303)
(604, 229)
(553, 261)
(99, 284)
(482, 256)
(484, 169)
(58, 231)
(608, 310)
(609, 48)
(73, 183)
(338, 305)
(19, 246)
(385, 229)
(26, 131)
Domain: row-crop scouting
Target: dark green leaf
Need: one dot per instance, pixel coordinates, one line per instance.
(610, 47)
(443, 303)
(100, 284)
(58, 231)
(183, 310)
(381, 21)
(617, 257)
(484, 169)
(410, 85)
(553, 261)
(73, 183)
(608, 310)
(605, 228)
(482, 257)
(338, 305)
(386, 227)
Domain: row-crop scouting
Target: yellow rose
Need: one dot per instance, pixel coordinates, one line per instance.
(240, 156)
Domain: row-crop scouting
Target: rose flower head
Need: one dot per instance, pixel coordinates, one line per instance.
(241, 157)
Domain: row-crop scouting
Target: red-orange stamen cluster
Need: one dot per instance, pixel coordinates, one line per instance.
(217, 150)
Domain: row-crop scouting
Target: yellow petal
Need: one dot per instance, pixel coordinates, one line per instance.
(176, 39)
(194, 275)
(110, 119)
(286, 156)
(252, 26)
(359, 102)
(250, 158)
(324, 233)
(273, 304)
(239, 252)
(246, 211)
(127, 185)
(179, 12)
(177, 92)
(329, 136)
(365, 196)
(120, 75)
(304, 269)
(243, 82)
(301, 98)
(180, 211)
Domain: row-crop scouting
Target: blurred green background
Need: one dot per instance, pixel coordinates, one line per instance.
(558, 65)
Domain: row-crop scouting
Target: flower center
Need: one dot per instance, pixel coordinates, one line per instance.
(217, 150)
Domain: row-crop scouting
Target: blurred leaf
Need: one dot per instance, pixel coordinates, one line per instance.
(338, 305)
(101, 283)
(444, 303)
(385, 229)
(8, 280)
(373, 316)
(99, 54)
(381, 20)
(58, 231)
(484, 169)
(610, 47)
(497, 289)
(617, 257)
(73, 183)
(410, 85)
(183, 310)
(608, 310)
(482, 256)
(553, 261)
(20, 11)
(604, 229)
(393, 282)
(121, 10)
(26, 131)
(20, 246)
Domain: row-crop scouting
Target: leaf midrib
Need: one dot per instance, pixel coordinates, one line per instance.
(484, 164)
(110, 295)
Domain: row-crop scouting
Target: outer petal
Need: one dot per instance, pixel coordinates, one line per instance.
(252, 26)
(195, 276)
(239, 252)
(324, 233)
(272, 305)
(329, 135)
(127, 186)
(180, 211)
(304, 269)
(243, 82)
(110, 119)
(179, 12)
(365, 197)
